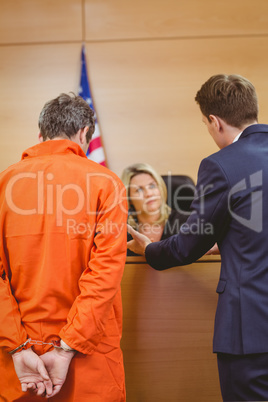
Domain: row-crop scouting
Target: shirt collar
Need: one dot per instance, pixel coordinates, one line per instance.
(237, 137)
(53, 147)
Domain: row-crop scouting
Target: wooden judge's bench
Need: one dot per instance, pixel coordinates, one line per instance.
(168, 331)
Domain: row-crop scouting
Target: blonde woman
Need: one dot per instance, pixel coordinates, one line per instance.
(147, 203)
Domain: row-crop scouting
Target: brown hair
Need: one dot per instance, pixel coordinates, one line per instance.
(231, 97)
(65, 116)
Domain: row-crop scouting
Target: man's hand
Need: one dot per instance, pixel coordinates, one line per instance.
(214, 250)
(32, 373)
(57, 363)
(139, 242)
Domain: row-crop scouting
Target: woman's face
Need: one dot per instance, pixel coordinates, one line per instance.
(144, 194)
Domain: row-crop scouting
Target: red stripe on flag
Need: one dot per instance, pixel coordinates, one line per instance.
(94, 144)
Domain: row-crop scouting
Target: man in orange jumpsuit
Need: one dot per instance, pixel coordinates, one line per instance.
(62, 255)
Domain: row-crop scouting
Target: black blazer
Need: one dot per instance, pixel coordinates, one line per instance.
(230, 208)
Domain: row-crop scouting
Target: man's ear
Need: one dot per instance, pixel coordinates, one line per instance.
(83, 135)
(216, 122)
(40, 137)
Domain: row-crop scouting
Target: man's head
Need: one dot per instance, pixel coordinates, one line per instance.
(65, 117)
(232, 98)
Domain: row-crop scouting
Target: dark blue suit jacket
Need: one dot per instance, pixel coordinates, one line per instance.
(230, 208)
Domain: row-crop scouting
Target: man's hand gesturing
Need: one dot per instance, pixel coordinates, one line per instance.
(139, 242)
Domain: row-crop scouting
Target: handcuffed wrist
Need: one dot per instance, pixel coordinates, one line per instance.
(23, 346)
(27, 344)
(66, 347)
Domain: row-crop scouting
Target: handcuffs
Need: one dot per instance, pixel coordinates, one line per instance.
(59, 344)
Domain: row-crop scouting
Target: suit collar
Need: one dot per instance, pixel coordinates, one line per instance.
(253, 129)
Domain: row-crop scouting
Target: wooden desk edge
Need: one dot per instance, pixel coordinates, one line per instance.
(141, 259)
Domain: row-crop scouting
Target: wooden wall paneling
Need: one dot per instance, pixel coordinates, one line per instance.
(144, 96)
(23, 21)
(143, 90)
(29, 77)
(168, 331)
(121, 19)
(143, 93)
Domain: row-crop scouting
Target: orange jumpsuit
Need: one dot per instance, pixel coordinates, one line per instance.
(62, 255)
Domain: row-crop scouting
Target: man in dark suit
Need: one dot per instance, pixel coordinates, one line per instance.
(230, 209)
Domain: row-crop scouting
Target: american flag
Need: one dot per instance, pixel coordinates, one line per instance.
(95, 150)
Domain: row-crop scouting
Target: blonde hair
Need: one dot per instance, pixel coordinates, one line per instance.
(134, 170)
